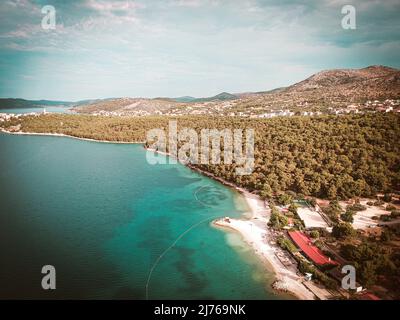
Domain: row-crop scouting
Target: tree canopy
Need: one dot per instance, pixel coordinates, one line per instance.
(326, 156)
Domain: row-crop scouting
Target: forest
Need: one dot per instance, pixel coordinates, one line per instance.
(333, 157)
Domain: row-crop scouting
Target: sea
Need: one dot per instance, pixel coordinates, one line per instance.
(51, 109)
(114, 226)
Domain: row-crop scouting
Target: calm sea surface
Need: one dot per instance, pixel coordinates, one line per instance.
(36, 110)
(103, 216)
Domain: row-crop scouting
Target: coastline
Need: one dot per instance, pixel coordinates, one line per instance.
(254, 230)
(65, 136)
(256, 233)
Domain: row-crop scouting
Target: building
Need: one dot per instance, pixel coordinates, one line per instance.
(311, 251)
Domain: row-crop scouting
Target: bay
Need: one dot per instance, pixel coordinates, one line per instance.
(116, 227)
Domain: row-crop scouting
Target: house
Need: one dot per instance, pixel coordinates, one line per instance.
(311, 251)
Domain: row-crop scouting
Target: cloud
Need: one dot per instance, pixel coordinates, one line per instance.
(121, 10)
(177, 47)
(194, 3)
(107, 6)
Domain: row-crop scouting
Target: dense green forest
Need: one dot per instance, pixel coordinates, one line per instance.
(326, 156)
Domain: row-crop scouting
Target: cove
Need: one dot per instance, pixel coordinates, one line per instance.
(102, 216)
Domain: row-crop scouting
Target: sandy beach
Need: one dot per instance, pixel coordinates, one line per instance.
(256, 233)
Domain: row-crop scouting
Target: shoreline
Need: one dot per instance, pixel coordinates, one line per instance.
(254, 229)
(65, 136)
(255, 232)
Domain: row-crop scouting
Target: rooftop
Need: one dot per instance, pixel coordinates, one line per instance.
(311, 251)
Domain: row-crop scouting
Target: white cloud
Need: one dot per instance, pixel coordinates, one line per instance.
(124, 10)
(194, 3)
(176, 47)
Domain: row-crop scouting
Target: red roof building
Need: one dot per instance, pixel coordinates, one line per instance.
(311, 251)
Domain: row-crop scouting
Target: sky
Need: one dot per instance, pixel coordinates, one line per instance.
(172, 48)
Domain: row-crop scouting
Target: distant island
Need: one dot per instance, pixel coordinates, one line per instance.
(10, 103)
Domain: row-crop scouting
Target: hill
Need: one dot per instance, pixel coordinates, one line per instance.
(326, 91)
(184, 99)
(144, 106)
(368, 83)
(6, 103)
(223, 96)
(127, 106)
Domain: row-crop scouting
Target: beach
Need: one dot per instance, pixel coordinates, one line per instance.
(256, 233)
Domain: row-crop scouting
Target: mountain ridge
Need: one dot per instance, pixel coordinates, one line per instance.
(327, 88)
(351, 85)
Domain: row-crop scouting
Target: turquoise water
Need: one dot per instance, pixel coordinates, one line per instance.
(36, 110)
(103, 216)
